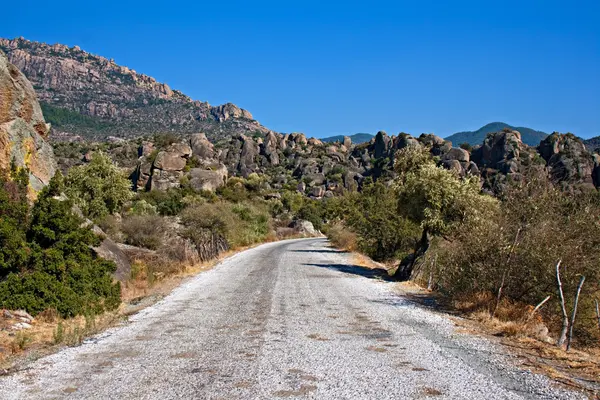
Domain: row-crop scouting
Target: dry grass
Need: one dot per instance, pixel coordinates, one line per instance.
(514, 327)
(341, 237)
(46, 334)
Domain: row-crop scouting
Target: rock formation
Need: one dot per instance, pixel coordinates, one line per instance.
(23, 130)
(98, 96)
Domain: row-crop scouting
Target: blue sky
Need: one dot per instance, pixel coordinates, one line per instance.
(327, 68)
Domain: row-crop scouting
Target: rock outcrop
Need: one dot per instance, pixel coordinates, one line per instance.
(567, 158)
(23, 131)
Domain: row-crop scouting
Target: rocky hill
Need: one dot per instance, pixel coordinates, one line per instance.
(529, 136)
(23, 131)
(86, 95)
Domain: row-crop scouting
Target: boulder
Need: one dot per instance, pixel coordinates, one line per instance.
(347, 142)
(207, 179)
(201, 146)
(458, 154)
(318, 191)
(304, 227)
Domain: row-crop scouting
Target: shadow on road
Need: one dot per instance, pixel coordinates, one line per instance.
(371, 273)
(320, 251)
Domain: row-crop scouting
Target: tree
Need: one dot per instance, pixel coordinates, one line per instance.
(382, 232)
(98, 188)
(437, 199)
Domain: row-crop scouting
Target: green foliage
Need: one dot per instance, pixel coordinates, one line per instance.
(99, 188)
(313, 211)
(168, 202)
(53, 266)
(382, 233)
(437, 198)
(63, 117)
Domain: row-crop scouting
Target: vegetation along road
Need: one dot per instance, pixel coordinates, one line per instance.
(287, 319)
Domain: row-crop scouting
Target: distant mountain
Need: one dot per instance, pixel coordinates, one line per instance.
(90, 96)
(592, 143)
(529, 136)
(357, 138)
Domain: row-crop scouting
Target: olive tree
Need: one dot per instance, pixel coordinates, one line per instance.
(99, 187)
(437, 199)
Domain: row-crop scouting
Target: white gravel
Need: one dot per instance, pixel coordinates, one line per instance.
(285, 319)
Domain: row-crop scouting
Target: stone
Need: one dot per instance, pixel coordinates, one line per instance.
(23, 130)
(207, 179)
(318, 191)
(22, 314)
(20, 326)
(347, 142)
(456, 153)
(304, 227)
(201, 146)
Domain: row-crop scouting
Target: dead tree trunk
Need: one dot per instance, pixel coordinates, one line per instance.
(565, 325)
(575, 303)
(505, 274)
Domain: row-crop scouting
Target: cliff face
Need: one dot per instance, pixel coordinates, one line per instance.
(88, 95)
(22, 127)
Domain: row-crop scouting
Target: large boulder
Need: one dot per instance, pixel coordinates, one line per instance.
(567, 158)
(201, 146)
(23, 131)
(305, 228)
(208, 179)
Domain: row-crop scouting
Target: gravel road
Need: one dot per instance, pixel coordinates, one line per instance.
(292, 319)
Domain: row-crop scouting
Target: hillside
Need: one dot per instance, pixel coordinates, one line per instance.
(592, 143)
(357, 138)
(529, 136)
(90, 96)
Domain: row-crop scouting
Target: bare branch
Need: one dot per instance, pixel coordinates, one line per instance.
(565, 326)
(538, 307)
(574, 311)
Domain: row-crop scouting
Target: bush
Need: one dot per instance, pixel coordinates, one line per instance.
(551, 225)
(143, 230)
(59, 269)
(341, 236)
(98, 188)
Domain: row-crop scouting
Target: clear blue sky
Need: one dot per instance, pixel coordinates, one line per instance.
(342, 67)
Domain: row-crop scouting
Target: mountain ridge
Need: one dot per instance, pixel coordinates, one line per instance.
(529, 136)
(356, 138)
(90, 96)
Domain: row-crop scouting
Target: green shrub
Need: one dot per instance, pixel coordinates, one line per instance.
(59, 270)
(99, 188)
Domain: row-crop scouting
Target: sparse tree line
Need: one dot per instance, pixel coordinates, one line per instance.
(499, 254)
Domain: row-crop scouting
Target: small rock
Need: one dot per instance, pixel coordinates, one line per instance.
(22, 314)
(21, 325)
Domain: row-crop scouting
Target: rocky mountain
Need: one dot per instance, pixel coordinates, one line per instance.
(23, 131)
(356, 138)
(89, 96)
(529, 136)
